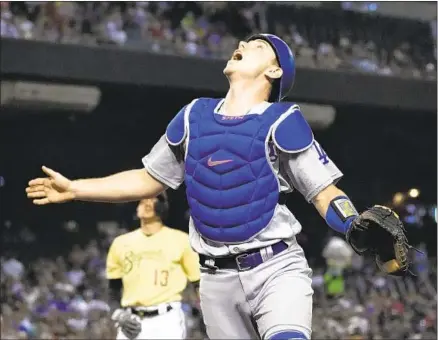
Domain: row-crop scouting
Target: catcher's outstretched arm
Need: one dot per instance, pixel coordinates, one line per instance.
(336, 208)
(122, 187)
(126, 186)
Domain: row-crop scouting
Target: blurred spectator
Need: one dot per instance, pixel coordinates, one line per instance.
(338, 254)
(11, 267)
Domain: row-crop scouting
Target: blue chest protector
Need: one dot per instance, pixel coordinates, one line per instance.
(232, 189)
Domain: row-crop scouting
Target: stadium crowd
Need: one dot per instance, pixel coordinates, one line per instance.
(321, 38)
(64, 296)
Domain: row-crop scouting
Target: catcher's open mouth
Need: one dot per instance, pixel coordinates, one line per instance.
(237, 56)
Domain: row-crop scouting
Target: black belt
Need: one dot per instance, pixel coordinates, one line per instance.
(241, 262)
(148, 313)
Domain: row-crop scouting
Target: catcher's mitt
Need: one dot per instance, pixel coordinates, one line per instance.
(379, 232)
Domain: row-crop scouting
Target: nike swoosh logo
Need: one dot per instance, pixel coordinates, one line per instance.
(214, 163)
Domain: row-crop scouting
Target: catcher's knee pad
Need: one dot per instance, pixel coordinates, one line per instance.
(288, 335)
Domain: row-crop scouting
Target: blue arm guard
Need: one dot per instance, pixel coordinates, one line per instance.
(340, 213)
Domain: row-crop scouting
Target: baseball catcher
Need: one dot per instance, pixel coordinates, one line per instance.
(239, 156)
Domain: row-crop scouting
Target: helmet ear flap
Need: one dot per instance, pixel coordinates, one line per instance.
(161, 206)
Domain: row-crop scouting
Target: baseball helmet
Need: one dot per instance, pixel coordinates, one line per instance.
(162, 206)
(286, 60)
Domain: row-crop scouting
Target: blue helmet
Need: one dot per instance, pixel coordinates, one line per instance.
(286, 60)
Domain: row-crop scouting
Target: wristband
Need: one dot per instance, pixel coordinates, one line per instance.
(340, 213)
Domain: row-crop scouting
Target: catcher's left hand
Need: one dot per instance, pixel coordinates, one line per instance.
(379, 232)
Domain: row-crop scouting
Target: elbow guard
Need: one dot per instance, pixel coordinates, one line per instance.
(340, 213)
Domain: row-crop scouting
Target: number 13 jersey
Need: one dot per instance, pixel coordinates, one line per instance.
(154, 269)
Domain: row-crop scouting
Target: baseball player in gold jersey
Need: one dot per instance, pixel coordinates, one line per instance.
(147, 271)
